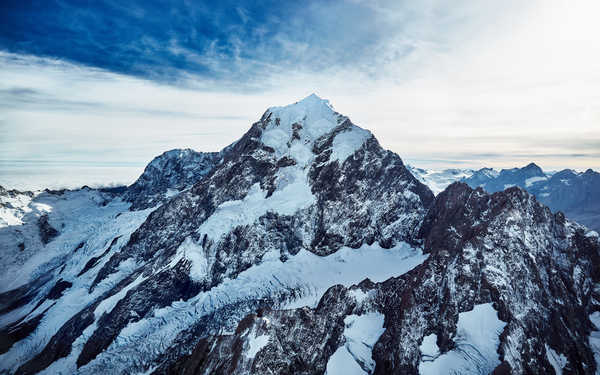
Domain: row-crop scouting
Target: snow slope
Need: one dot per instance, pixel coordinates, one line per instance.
(354, 357)
(476, 341)
(438, 180)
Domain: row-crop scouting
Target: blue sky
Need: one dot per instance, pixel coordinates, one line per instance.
(233, 42)
(97, 85)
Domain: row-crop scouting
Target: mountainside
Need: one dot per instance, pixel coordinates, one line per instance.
(503, 272)
(304, 247)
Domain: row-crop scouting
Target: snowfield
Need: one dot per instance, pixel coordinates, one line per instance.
(300, 281)
(354, 357)
(477, 340)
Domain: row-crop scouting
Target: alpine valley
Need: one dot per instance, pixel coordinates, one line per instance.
(302, 248)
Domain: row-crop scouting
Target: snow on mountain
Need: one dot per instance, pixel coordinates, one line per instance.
(438, 180)
(477, 340)
(302, 182)
(13, 206)
(304, 247)
(506, 287)
(361, 332)
(168, 174)
(575, 194)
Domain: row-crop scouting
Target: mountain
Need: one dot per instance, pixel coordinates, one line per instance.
(436, 180)
(304, 247)
(168, 174)
(493, 181)
(575, 194)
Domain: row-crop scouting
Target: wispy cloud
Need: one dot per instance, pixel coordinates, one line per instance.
(477, 83)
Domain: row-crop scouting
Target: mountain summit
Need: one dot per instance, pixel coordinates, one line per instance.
(304, 247)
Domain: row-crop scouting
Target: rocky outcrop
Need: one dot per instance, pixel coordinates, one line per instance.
(47, 232)
(168, 174)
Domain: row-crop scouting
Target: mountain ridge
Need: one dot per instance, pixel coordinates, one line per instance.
(285, 251)
(574, 193)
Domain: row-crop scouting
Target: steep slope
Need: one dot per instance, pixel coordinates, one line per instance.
(304, 186)
(508, 287)
(49, 227)
(168, 174)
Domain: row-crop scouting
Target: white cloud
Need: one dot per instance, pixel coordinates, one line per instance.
(484, 83)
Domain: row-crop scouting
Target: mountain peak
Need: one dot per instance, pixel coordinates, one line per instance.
(313, 98)
(310, 108)
(532, 166)
(294, 130)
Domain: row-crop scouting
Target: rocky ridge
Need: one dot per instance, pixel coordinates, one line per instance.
(531, 271)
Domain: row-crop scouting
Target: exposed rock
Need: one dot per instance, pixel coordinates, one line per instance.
(505, 249)
(47, 232)
(168, 174)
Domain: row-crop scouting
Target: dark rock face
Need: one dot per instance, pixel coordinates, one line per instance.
(47, 232)
(58, 289)
(175, 169)
(505, 249)
(306, 338)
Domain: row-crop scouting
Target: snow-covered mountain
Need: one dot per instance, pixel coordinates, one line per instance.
(168, 174)
(304, 247)
(438, 180)
(577, 194)
(493, 181)
(574, 193)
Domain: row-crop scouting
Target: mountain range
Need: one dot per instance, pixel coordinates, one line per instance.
(302, 248)
(574, 193)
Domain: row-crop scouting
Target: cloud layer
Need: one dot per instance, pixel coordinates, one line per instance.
(442, 83)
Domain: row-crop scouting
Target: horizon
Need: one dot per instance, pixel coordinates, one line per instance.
(90, 94)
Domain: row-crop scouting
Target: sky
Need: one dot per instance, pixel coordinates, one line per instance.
(91, 91)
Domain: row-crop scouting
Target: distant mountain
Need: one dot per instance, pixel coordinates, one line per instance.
(576, 194)
(302, 248)
(439, 180)
(493, 181)
(168, 174)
